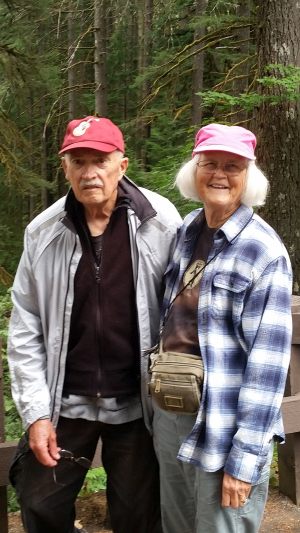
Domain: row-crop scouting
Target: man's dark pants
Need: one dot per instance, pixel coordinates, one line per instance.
(48, 501)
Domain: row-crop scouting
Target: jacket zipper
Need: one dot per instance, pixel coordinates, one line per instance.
(98, 320)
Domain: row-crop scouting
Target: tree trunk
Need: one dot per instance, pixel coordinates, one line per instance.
(278, 126)
(198, 68)
(145, 16)
(100, 22)
(71, 61)
(240, 84)
(44, 192)
(32, 161)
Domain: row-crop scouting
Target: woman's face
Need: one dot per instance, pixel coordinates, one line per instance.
(220, 181)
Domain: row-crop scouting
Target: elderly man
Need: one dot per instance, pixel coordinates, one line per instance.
(86, 308)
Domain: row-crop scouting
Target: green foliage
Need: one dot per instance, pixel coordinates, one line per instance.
(5, 309)
(35, 94)
(13, 426)
(161, 180)
(10, 250)
(95, 480)
(274, 468)
(13, 504)
(225, 101)
(281, 82)
(284, 80)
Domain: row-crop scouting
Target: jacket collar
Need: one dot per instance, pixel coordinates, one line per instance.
(136, 200)
(232, 227)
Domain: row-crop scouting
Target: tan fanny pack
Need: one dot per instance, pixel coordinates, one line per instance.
(176, 381)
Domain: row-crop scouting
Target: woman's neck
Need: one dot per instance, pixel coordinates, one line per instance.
(215, 218)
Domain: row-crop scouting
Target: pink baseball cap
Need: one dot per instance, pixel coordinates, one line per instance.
(97, 133)
(233, 139)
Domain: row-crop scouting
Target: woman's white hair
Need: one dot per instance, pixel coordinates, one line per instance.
(255, 192)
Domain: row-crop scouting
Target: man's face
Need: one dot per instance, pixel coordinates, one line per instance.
(94, 175)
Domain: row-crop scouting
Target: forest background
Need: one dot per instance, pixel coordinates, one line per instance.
(160, 69)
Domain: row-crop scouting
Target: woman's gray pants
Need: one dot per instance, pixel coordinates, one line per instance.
(190, 497)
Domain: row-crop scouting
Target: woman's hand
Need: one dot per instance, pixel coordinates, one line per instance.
(234, 492)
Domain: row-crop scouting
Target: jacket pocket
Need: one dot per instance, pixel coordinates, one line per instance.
(228, 295)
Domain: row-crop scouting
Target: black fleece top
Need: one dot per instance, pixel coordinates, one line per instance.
(103, 350)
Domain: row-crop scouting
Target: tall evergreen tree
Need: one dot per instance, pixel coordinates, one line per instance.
(278, 122)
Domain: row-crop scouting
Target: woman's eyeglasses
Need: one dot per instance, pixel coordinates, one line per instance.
(230, 169)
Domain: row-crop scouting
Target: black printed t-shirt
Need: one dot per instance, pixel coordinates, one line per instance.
(181, 327)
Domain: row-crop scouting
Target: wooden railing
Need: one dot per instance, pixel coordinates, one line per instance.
(288, 453)
(7, 450)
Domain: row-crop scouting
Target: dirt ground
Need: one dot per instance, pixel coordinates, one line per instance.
(281, 515)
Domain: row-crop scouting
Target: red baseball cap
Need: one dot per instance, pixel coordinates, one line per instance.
(97, 133)
(219, 137)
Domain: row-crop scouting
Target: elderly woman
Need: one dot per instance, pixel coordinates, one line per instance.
(227, 301)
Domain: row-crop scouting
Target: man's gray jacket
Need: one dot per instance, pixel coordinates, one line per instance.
(43, 294)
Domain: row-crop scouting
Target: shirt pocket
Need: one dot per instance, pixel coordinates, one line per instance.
(228, 295)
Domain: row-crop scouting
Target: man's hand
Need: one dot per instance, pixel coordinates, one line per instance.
(42, 441)
(234, 492)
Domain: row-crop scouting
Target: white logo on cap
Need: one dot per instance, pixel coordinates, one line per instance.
(83, 126)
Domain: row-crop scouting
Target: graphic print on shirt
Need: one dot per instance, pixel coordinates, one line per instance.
(193, 274)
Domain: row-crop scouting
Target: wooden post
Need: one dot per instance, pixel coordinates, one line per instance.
(3, 490)
(2, 436)
(289, 453)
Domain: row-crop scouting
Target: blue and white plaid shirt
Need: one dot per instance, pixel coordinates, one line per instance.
(244, 330)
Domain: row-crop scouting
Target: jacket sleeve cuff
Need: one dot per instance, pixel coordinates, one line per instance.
(244, 465)
(34, 416)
